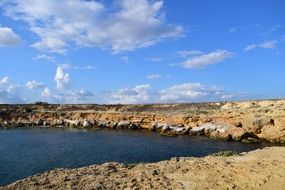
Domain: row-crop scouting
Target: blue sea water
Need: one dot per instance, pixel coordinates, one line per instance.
(27, 151)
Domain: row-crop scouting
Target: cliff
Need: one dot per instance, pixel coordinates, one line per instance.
(250, 121)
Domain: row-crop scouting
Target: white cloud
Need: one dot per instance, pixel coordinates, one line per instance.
(61, 78)
(203, 60)
(8, 85)
(45, 57)
(185, 92)
(237, 28)
(153, 76)
(189, 92)
(51, 44)
(87, 67)
(46, 93)
(5, 81)
(61, 23)
(125, 59)
(70, 66)
(250, 47)
(9, 92)
(80, 96)
(31, 85)
(70, 97)
(268, 44)
(188, 53)
(154, 59)
(51, 59)
(8, 37)
(271, 44)
(138, 94)
(227, 96)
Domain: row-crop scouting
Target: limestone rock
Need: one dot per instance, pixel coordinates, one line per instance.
(39, 122)
(86, 124)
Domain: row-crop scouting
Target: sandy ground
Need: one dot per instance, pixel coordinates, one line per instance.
(259, 169)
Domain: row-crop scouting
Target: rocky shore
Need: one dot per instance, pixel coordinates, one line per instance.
(259, 169)
(251, 121)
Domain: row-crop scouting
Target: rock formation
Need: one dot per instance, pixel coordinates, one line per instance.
(251, 121)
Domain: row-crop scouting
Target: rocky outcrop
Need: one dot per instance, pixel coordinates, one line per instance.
(259, 169)
(251, 121)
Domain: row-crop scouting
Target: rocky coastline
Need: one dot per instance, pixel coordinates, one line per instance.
(259, 169)
(250, 121)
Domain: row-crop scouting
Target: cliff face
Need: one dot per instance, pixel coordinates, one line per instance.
(250, 121)
(260, 169)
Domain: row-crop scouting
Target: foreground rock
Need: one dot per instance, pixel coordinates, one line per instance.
(250, 121)
(260, 169)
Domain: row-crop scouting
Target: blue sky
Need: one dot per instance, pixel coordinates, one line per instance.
(141, 51)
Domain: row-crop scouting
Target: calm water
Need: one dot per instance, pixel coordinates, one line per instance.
(27, 151)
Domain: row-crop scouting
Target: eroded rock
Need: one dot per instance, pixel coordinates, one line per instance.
(171, 119)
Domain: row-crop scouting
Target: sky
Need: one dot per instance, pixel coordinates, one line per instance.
(141, 51)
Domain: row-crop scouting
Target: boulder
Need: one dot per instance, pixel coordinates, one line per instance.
(170, 130)
(168, 133)
(248, 135)
(59, 122)
(251, 140)
(134, 126)
(152, 127)
(180, 130)
(45, 123)
(158, 127)
(223, 136)
(123, 124)
(238, 124)
(236, 133)
(112, 125)
(86, 124)
(39, 122)
(72, 123)
(271, 122)
(258, 124)
(102, 125)
(208, 128)
(164, 128)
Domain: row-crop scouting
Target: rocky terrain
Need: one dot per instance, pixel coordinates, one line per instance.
(251, 121)
(259, 169)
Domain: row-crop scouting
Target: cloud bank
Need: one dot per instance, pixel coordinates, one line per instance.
(143, 93)
(125, 26)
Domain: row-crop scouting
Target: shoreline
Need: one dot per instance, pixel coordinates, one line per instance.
(42, 149)
(249, 121)
(258, 169)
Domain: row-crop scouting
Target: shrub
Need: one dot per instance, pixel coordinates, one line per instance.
(41, 103)
(225, 153)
